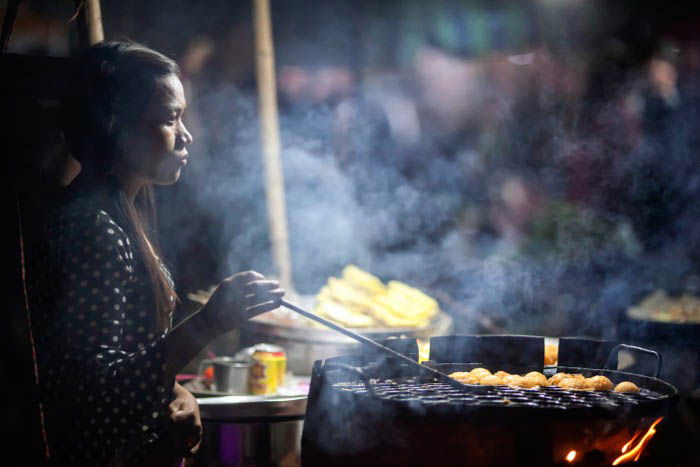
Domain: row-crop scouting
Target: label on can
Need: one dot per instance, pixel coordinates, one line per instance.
(269, 367)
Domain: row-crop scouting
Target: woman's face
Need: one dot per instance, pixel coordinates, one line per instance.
(156, 146)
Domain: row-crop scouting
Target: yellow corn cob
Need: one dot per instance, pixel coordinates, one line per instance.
(363, 280)
(343, 314)
(420, 299)
(343, 292)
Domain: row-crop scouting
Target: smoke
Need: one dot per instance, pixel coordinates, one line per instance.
(566, 195)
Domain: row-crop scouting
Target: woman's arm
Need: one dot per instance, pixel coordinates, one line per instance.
(123, 395)
(236, 299)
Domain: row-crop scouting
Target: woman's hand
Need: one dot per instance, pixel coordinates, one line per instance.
(235, 300)
(185, 422)
(241, 297)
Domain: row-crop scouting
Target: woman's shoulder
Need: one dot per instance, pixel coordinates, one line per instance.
(79, 217)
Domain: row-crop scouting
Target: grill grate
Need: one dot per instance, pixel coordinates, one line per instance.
(444, 395)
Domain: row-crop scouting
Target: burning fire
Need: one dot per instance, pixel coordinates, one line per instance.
(629, 443)
(636, 451)
(423, 349)
(571, 456)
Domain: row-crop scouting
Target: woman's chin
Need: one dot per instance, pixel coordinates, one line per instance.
(168, 179)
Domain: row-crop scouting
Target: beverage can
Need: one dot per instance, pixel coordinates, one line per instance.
(269, 367)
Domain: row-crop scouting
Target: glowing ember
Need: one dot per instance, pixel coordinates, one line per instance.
(636, 452)
(571, 456)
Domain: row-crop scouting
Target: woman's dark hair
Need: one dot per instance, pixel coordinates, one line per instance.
(112, 89)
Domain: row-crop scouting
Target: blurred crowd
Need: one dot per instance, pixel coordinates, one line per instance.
(455, 146)
(528, 159)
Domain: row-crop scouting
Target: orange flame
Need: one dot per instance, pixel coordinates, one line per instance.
(571, 456)
(636, 452)
(629, 443)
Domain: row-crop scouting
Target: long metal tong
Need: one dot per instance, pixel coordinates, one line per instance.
(365, 340)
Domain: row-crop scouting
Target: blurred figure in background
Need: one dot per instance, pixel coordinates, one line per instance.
(460, 112)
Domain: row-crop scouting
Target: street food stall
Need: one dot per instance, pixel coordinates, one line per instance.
(484, 217)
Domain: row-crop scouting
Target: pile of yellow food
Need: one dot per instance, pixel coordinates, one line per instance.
(359, 299)
(661, 307)
(535, 379)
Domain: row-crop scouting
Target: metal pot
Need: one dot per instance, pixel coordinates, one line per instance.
(251, 430)
(304, 345)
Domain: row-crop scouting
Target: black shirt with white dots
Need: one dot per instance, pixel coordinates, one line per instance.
(100, 350)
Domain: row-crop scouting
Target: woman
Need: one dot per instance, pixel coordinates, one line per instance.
(101, 299)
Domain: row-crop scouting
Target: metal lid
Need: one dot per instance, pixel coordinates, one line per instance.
(252, 408)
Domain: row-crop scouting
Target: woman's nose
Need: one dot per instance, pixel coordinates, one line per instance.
(185, 135)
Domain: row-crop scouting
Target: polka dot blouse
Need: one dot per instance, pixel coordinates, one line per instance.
(100, 349)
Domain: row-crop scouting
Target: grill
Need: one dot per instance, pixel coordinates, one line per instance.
(369, 410)
(437, 395)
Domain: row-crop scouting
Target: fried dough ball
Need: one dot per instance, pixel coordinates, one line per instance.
(627, 386)
(464, 377)
(537, 376)
(512, 380)
(528, 383)
(501, 373)
(491, 380)
(555, 379)
(599, 383)
(572, 383)
(480, 372)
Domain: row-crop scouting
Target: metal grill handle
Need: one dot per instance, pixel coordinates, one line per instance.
(616, 350)
(353, 369)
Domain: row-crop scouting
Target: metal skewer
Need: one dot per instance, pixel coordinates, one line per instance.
(365, 340)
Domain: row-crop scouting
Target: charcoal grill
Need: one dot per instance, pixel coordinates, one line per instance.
(369, 410)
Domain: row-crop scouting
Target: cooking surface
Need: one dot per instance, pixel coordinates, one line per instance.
(436, 394)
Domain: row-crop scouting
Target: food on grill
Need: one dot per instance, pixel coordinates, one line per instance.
(600, 383)
(551, 352)
(511, 380)
(555, 379)
(359, 299)
(660, 307)
(491, 380)
(535, 379)
(465, 377)
(480, 372)
(538, 377)
(627, 386)
(460, 374)
(572, 383)
(528, 383)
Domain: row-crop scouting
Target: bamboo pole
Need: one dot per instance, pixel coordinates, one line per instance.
(269, 135)
(8, 23)
(90, 29)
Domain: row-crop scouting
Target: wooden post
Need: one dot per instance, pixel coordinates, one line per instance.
(269, 134)
(89, 22)
(8, 23)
